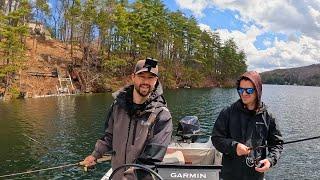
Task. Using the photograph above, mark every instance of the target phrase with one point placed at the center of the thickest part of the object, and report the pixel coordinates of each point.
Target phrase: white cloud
(280, 16)
(267, 43)
(299, 51)
(50, 5)
(283, 16)
(315, 15)
(298, 20)
(204, 27)
(196, 6)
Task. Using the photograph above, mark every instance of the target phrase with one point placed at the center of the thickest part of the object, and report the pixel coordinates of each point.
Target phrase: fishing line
(32, 139)
(42, 145)
(40, 170)
(103, 159)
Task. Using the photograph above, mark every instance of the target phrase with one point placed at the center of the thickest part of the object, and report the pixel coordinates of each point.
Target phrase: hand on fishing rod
(89, 161)
(242, 149)
(265, 166)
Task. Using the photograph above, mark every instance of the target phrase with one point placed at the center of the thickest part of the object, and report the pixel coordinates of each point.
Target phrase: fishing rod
(40, 170)
(288, 142)
(104, 158)
(100, 160)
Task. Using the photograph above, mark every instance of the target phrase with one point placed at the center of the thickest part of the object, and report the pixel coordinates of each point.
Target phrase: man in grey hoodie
(138, 125)
(242, 132)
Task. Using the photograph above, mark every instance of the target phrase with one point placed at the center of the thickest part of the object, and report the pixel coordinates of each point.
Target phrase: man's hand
(129, 174)
(88, 161)
(242, 149)
(129, 171)
(265, 166)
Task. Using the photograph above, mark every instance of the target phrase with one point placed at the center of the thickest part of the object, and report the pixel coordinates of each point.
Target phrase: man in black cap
(138, 125)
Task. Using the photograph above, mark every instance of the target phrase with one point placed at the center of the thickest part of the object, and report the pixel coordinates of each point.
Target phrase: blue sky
(274, 34)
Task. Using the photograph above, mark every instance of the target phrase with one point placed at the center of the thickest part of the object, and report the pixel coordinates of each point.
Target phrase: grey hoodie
(129, 136)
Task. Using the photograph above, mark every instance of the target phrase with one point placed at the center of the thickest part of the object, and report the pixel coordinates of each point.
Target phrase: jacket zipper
(134, 132)
(125, 154)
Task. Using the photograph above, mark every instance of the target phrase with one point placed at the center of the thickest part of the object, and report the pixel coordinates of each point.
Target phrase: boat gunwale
(187, 166)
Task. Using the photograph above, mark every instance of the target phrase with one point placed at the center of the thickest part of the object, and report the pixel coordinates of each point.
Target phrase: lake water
(64, 129)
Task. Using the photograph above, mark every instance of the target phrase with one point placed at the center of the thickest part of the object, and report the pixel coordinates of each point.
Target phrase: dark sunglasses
(248, 90)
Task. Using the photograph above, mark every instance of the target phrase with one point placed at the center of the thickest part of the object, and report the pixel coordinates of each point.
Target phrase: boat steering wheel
(139, 166)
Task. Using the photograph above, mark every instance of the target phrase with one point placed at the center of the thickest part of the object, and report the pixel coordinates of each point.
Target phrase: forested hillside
(109, 36)
(306, 76)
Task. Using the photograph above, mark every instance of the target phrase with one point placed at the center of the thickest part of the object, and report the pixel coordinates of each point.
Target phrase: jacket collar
(239, 104)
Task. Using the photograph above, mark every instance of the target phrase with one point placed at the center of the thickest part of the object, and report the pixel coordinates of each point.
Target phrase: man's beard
(143, 93)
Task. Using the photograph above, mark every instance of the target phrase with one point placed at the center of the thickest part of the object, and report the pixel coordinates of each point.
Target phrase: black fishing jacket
(237, 124)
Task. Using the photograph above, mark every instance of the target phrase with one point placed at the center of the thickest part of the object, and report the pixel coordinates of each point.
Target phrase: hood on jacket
(255, 78)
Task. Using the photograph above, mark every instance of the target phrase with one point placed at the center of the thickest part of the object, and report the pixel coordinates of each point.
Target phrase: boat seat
(175, 157)
(199, 156)
(195, 153)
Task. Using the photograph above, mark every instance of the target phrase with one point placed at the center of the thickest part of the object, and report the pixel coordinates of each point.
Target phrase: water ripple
(67, 128)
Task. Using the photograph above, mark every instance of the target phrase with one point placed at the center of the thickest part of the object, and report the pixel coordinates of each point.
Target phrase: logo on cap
(147, 65)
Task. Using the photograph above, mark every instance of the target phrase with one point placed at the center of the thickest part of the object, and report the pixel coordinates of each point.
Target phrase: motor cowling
(188, 126)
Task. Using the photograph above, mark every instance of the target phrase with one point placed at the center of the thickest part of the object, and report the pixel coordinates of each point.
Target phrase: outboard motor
(188, 128)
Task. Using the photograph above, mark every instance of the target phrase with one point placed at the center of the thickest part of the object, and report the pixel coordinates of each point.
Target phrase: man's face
(144, 83)
(248, 99)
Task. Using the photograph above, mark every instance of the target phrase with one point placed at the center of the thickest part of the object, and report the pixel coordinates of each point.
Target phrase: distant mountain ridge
(306, 76)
